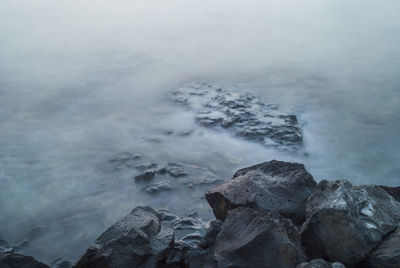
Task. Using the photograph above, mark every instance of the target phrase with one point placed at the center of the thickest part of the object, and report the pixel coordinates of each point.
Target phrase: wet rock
(158, 187)
(387, 254)
(146, 175)
(62, 263)
(175, 257)
(14, 260)
(344, 222)
(243, 114)
(137, 240)
(393, 191)
(276, 186)
(120, 161)
(177, 172)
(202, 254)
(320, 263)
(250, 238)
(146, 166)
(21, 245)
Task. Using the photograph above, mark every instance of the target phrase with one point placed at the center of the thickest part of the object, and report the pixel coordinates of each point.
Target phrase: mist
(81, 81)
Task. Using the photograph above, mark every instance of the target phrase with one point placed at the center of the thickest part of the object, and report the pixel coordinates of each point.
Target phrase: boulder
(14, 260)
(250, 238)
(276, 186)
(344, 222)
(320, 263)
(387, 254)
(137, 240)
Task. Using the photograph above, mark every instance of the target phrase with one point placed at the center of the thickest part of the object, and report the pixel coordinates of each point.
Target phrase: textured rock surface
(393, 191)
(14, 260)
(346, 222)
(320, 263)
(242, 113)
(202, 255)
(250, 238)
(137, 240)
(277, 186)
(387, 254)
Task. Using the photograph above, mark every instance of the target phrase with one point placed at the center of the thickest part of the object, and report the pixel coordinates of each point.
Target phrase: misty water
(83, 81)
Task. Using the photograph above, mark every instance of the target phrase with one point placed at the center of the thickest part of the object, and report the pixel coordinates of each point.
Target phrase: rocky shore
(272, 214)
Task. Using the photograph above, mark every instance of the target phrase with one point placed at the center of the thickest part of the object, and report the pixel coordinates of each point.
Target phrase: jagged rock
(137, 240)
(14, 260)
(393, 191)
(202, 254)
(344, 222)
(157, 187)
(387, 254)
(250, 238)
(242, 113)
(276, 186)
(62, 263)
(320, 263)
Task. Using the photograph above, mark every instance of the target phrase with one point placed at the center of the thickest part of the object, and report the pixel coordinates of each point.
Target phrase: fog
(81, 81)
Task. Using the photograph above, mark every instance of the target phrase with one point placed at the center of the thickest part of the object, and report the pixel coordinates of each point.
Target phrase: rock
(137, 240)
(146, 175)
(243, 114)
(157, 187)
(250, 238)
(21, 245)
(14, 260)
(393, 191)
(62, 263)
(202, 255)
(276, 186)
(387, 254)
(320, 263)
(120, 161)
(344, 222)
(177, 172)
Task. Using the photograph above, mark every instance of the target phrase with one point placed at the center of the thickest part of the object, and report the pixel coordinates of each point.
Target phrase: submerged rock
(242, 113)
(14, 260)
(320, 263)
(157, 187)
(276, 186)
(387, 254)
(346, 222)
(250, 238)
(137, 240)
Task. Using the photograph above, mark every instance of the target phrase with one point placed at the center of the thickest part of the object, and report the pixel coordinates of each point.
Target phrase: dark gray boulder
(14, 260)
(320, 263)
(137, 240)
(250, 238)
(387, 254)
(344, 222)
(276, 186)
